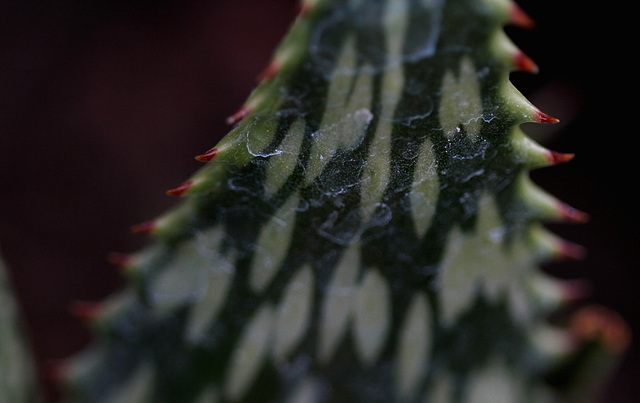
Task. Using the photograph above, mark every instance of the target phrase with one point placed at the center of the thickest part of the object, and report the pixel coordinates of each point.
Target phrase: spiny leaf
(366, 232)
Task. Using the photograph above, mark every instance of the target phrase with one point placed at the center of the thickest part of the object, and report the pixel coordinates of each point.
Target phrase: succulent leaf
(367, 231)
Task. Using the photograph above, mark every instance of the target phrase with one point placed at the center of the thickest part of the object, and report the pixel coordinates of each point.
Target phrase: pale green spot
(139, 387)
(206, 308)
(483, 261)
(413, 347)
(250, 353)
(346, 133)
(375, 177)
(338, 302)
(195, 266)
(343, 73)
(494, 383)
(458, 279)
(395, 25)
(204, 312)
(392, 88)
(347, 114)
(273, 244)
(307, 391)
(461, 101)
(209, 395)
(426, 188)
(371, 316)
(552, 341)
(284, 160)
(294, 312)
(545, 291)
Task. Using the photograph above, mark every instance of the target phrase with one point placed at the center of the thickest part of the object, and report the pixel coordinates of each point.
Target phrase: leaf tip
(542, 117)
(519, 18)
(209, 155)
(556, 158)
(239, 115)
(144, 228)
(525, 63)
(570, 251)
(305, 7)
(576, 290)
(269, 72)
(569, 214)
(180, 190)
(597, 323)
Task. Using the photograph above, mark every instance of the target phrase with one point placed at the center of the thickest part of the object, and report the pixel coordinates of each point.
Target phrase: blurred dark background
(104, 104)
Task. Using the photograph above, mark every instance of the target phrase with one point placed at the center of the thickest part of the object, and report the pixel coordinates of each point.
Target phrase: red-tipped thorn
(120, 260)
(556, 158)
(525, 64)
(570, 215)
(85, 311)
(570, 251)
(304, 8)
(519, 18)
(144, 228)
(180, 190)
(542, 117)
(597, 323)
(208, 156)
(576, 290)
(269, 72)
(239, 115)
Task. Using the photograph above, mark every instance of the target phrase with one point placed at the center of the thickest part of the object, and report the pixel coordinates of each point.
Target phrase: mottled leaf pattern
(366, 232)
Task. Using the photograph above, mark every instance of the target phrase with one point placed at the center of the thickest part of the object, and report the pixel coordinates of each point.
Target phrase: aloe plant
(367, 231)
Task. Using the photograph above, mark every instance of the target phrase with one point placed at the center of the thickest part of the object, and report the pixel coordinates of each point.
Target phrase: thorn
(85, 311)
(570, 251)
(239, 115)
(570, 215)
(304, 8)
(269, 72)
(519, 18)
(180, 190)
(144, 228)
(556, 158)
(576, 290)
(208, 156)
(120, 260)
(542, 117)
(525, 64)
(597, 323)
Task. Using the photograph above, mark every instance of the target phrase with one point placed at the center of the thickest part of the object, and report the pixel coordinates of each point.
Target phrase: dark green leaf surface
(366, 232)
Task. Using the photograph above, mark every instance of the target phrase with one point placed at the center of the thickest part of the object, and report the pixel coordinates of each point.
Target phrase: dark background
(104, 104)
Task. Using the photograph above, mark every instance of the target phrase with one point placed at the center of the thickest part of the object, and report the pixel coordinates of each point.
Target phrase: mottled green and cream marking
(365, 217)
